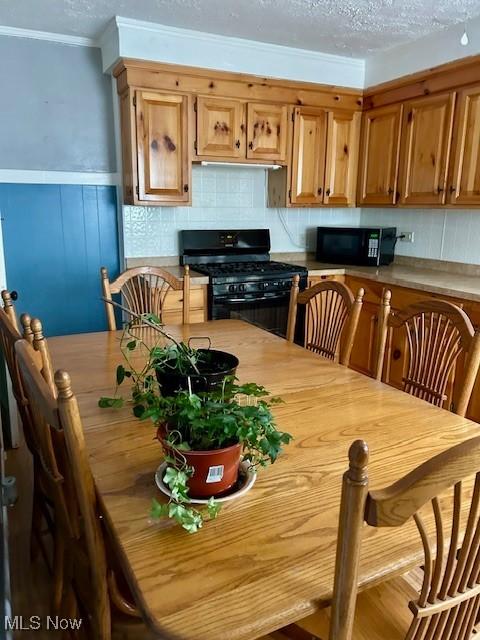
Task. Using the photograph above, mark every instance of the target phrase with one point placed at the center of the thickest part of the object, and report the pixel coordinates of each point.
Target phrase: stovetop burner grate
(245, 268)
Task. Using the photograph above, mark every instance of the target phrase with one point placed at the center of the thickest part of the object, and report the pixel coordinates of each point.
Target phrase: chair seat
(381, 612)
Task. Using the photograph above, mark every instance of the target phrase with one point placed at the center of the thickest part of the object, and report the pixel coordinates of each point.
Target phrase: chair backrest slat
(331, 318)
(437, 334)
(144, 290)
(448, 600)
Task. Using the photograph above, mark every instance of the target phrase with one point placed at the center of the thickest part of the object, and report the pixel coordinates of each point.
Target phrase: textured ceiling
(346, 27)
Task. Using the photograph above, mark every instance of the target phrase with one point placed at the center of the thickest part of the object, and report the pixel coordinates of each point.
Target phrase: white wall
(226, 198)
(440, 234)
(438, 48)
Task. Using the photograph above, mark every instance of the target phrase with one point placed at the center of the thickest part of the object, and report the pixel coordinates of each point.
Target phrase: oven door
(267, 312)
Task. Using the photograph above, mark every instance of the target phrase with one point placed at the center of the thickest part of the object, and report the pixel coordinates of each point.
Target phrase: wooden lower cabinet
(173, 306)
(312, 280)
(395, 363)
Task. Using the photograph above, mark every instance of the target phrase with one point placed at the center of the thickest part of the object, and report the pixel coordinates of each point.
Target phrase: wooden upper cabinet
(342, 157)
(163, 149)
(379, 152)
(425, 146)
(465, 173)
(267, 132)
(221, 130)
(308, 161)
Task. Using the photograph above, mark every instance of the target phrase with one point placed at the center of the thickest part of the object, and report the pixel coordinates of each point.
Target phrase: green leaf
(213, 508)
(158, 510)
(120, 374)
(138, 410)
(131, 345)
(115, 403)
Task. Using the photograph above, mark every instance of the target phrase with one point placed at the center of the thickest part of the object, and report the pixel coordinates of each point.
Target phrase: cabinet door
(220, 128)
(164, 165)
(426, 135)
(267, 131)
(379, 151)
(465, 181)
(308, 163)
(342, 157)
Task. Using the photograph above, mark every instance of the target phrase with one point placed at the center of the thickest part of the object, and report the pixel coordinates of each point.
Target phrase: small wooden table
(268, 559)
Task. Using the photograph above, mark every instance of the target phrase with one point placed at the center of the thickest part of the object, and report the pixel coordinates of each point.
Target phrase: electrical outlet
(406, 236)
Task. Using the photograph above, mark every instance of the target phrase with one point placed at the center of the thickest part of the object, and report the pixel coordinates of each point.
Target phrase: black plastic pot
(213, 367)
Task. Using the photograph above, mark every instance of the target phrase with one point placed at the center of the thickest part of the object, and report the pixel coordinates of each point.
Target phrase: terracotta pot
(215, 472)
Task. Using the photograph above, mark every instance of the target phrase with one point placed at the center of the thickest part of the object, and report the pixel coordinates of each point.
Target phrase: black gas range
(244, 282)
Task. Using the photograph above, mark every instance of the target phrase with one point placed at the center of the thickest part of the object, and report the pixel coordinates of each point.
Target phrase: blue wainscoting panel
(56, 238)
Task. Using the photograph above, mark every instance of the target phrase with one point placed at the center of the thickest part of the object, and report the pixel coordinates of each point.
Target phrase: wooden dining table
(268, 559)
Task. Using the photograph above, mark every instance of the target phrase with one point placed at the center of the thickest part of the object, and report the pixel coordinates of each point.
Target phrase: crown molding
(16, 32)
(204, 37)
(136, 39)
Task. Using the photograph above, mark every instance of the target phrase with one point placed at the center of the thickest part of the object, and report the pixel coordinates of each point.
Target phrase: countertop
(422, 278)
(196, 279)
(446, 278)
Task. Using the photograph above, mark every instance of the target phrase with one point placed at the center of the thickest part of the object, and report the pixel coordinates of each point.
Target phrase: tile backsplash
(225, 197)
(229, 198)
(440, 234)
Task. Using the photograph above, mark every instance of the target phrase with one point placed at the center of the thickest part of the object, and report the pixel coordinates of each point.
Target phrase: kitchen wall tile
(440, 234)
(226, 197)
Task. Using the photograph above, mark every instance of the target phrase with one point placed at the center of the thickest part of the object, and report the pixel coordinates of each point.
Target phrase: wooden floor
(30, 579)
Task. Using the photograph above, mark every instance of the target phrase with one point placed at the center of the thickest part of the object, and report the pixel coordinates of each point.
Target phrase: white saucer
(246, 480)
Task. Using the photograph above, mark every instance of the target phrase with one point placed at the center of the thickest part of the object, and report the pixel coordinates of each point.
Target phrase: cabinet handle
(319, 191)
(327, 192)
(452, 189)
(439, 189)
(185, 188)
(237, 144)
(390, 191)
(396, 354)
(397, 195)
(250, 145)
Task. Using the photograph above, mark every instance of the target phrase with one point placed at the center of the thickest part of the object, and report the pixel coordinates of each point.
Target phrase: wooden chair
(144, 290)
(9, 335)
(331, 318)
(86, 584)
(445, 605)
(41, 507)
(437, 333)
(9, 308)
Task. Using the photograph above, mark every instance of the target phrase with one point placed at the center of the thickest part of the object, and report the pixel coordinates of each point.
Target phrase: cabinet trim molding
(171, 78)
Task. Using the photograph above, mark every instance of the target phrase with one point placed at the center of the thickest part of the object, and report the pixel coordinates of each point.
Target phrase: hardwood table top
(268, 559)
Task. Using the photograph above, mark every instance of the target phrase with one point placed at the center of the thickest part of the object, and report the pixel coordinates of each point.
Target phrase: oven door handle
(248, 300)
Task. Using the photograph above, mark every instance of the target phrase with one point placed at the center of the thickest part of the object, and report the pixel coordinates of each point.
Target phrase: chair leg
(58, 574)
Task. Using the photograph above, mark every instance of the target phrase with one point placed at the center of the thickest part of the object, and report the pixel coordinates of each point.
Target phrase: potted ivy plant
(204, 435)
(177, 365)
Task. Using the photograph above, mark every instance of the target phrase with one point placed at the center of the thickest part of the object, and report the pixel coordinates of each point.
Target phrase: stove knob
(232, 288)
(241, 287)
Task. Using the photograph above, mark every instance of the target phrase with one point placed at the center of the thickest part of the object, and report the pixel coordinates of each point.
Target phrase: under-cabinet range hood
(240, 165)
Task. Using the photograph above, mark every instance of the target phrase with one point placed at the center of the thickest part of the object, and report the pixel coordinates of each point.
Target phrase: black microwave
(363, 246)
